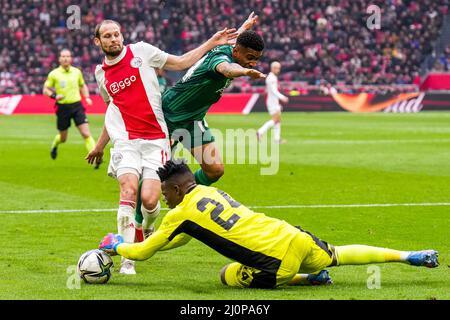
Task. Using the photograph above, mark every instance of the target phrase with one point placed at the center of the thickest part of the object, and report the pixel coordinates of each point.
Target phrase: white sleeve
(99, 75)
(155, 57)
(272, 88)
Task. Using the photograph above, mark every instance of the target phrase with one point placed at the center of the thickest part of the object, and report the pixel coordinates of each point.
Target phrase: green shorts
(191, 134)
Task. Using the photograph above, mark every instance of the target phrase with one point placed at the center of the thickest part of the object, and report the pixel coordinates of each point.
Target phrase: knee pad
(236, 275)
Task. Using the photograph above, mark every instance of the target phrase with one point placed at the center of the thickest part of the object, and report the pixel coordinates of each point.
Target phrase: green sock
(56, 141)
(138, 217)
(202, 178)
(89, 143)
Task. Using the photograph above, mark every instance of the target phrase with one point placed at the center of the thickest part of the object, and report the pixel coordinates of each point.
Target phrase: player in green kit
(187, 102)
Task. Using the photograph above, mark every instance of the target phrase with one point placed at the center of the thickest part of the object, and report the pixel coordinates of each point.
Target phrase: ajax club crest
(136, 62)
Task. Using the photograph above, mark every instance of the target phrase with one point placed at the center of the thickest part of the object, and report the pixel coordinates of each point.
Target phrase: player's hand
(285, 99)
(110, 242)
(59, 97)
(255, 74)
(88, 101)
(250, 22)
(225, 36)
(96, 155)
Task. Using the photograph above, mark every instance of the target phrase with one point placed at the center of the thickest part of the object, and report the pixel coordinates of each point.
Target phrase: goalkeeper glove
(110, 242)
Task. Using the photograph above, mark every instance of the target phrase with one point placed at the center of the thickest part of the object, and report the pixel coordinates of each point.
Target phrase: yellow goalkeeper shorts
(306, 254)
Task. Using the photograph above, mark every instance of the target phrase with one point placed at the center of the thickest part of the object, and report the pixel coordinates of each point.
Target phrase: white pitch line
(298, 141)
(58, 211)
(314, 206)
(293, 206)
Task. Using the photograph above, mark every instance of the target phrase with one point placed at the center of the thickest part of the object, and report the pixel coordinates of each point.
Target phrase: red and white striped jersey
(128, 84)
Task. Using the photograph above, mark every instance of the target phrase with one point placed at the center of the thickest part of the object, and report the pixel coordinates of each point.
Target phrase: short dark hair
(173, 168)
(250, 39)
(98, 26)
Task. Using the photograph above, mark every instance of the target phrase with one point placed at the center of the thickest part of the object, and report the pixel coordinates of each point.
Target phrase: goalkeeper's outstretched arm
(143, 250)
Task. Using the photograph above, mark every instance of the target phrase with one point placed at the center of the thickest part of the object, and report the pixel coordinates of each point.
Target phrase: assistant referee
(64, 84)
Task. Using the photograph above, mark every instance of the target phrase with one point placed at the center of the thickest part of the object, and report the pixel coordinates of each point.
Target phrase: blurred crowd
(442, 63)
(316, 41)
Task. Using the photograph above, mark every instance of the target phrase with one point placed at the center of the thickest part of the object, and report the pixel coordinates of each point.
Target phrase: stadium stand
(316, 41)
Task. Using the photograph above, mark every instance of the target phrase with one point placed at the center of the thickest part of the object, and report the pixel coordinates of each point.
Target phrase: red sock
(139, 235)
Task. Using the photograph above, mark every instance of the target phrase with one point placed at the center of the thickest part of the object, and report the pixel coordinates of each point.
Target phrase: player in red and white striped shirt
(134, 119)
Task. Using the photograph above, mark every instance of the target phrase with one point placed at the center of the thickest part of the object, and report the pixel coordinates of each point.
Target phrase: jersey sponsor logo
(62, 84)
(136, 62)
(117, 86)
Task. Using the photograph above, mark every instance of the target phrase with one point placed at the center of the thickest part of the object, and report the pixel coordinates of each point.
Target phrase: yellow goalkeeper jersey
(214, 218)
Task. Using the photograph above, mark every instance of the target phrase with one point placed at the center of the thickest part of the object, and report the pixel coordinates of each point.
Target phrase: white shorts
(275, 108)
(139, 157)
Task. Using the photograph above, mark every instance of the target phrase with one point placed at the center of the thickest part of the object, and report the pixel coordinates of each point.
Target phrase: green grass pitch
(330, 159)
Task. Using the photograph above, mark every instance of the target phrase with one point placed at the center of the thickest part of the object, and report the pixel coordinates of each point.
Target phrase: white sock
(266, 126)
(125, 223)
(150, 216)
(404, 255)
(277, 131)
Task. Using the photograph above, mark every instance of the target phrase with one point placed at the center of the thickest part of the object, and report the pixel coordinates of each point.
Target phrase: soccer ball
(95, 266)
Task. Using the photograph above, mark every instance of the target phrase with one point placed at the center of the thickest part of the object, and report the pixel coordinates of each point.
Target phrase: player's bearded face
(112, 48)
(111, 40)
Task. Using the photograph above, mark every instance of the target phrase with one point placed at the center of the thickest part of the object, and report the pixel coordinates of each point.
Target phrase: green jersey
(202, 86)
(162, 82)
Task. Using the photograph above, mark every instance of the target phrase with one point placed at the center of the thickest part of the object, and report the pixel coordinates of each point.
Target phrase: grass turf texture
(330, 158)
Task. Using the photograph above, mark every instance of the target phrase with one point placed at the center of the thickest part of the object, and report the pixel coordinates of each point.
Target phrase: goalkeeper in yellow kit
(268, 252)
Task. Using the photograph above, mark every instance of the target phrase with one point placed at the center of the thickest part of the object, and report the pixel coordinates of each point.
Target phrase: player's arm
(273, 89)
(188, 59)
(178, 241)
(113, 244)
(234, 70)
(96, 154)
(85, 92)
(143, 250)
(247, 25)
(156, 242)
(47, 90)
(160, 240)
